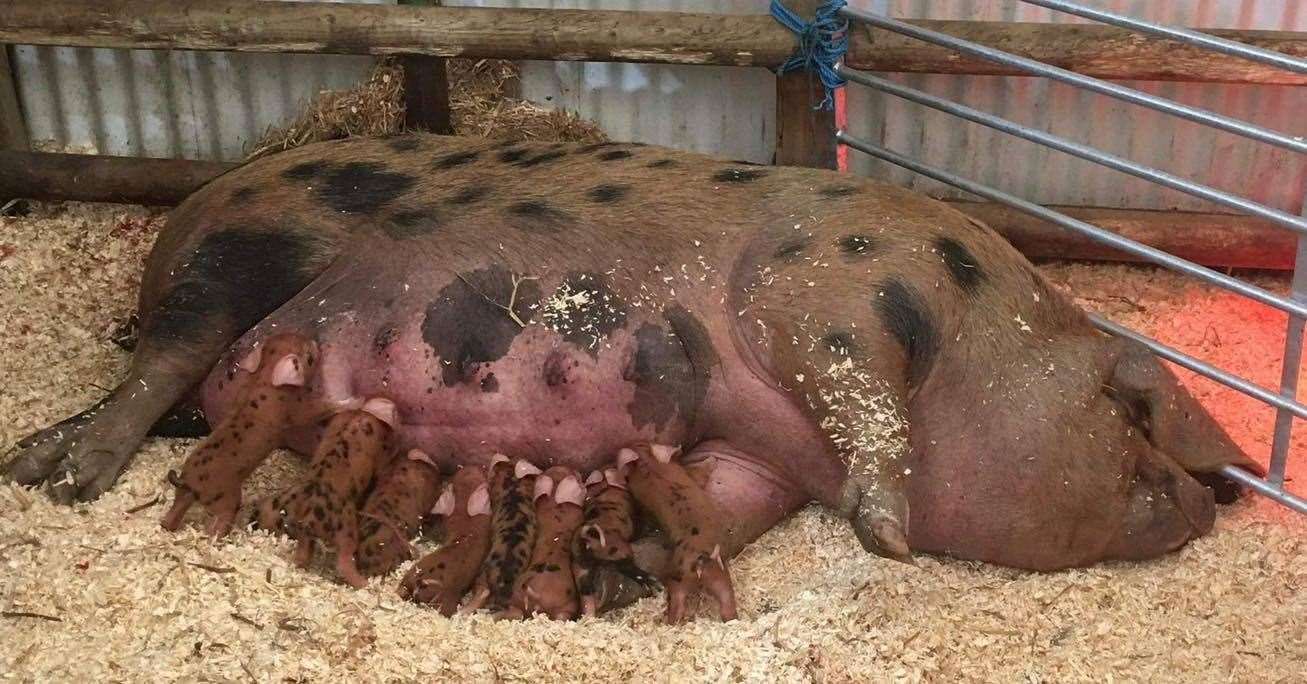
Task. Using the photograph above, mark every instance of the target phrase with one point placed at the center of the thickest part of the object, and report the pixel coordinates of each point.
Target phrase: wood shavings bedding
(100, 592)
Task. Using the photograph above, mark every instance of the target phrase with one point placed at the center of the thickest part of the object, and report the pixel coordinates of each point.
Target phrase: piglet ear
(289, 371)
(626, 457)
(445, 504)
(663, 452)
(544, 485)
(479, 502)
(595, 477)
(570, 491)
(614, 478)
(250, 362)
(420, 455)
(523, 468)
(383, 409)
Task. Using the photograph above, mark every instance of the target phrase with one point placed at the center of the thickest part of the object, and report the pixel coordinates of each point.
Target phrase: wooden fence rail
(661, 37)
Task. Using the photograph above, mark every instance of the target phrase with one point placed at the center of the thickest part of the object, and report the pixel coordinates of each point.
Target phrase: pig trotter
(442, 577)
(215, 471)
(879, 516)
(692, 523)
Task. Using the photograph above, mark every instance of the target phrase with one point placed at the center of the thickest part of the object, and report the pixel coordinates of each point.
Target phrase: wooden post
(804, 136)
(13, 130)
(426, 88)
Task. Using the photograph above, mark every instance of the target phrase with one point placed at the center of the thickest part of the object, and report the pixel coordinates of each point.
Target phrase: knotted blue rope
(822, 44)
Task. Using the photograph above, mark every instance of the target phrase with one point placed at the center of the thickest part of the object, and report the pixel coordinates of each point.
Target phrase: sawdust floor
(122, 600)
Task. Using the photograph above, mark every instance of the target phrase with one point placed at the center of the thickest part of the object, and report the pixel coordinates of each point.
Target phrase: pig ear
(420, 455)
(250, 362)
(383, 409)
(479, 502)
(289, 371)
(1172, 420)
(445, 504)
(570, 491)
(544, 485)
(524, 468)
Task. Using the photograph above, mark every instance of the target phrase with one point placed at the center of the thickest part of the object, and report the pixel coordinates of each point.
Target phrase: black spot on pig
(961, 264)
(304, 170)
(403, 144)
(738, 175)
(608, 193)
(661, 163)
(362, 187)
(542, 158)
(468, 195)
(670, 370)
(233, 279)
(614, 155)
(836, 191)
(538, 216)
(449, 161)
(411, 223)
(555, 369)
(384, 338)
(490, 383)
(594, 147)
(468, 323)
(790, 249)
(856, 245)
(512, 154)
(244, 194)
(584, 310)
(904, 315)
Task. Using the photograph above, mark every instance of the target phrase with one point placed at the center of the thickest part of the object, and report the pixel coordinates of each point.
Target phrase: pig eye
(1136, 410)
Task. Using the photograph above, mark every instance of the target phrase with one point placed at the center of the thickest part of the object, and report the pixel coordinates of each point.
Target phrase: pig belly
(547, 399)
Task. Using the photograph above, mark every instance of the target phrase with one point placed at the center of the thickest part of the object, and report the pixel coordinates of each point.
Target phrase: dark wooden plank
(660, 37)
(426, 88)
(804, 136)
(92, 178)
(13, 129)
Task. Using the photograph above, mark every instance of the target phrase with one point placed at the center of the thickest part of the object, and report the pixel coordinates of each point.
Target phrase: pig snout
(1167, 507)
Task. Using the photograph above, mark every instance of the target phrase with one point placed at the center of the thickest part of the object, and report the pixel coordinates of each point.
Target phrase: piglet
(272, 387)
(601, 548)
(513, 530)
(547, 585)
(355, 445)
(442, 577)
(394, 511)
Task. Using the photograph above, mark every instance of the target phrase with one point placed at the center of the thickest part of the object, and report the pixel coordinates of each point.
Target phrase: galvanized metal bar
(1283, 218)
(1267, 490)
(1202, 368)
(1089, 230)
(1289, 369)
(1219, 121)
(1183, 35)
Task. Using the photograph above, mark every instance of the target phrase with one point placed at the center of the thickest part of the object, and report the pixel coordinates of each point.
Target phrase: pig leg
(513, 522)
(204, 286)
(547, 585)
(443, 576)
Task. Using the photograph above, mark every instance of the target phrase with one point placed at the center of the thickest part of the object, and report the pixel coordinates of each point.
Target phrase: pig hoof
(78, 464)
(877, 517)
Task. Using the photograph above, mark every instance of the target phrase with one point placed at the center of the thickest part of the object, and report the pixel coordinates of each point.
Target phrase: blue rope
(822, 44)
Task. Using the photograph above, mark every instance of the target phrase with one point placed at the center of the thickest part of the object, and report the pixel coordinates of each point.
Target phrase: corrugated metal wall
(152, 103)
(209, 105)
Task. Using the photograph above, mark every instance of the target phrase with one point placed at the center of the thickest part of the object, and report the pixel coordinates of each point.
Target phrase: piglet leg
(394, 511)
(547, 586)
(214, 473)
(442, 577)
(692, 523)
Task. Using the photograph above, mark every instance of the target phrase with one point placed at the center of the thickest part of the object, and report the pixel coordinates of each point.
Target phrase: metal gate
(1285, 401)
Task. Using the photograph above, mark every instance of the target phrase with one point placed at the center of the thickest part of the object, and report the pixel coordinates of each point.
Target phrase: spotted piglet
(513, 532)
(355, 446)
(272, 393)
(403, 496)
(443, 576)
(601, 549)
(546, 585)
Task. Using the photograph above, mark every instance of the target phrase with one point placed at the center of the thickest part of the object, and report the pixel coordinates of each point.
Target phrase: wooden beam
(614, 36)
(1221, 240)
(804, 136)
(426, 88)
(13, 129)
(92, 178)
